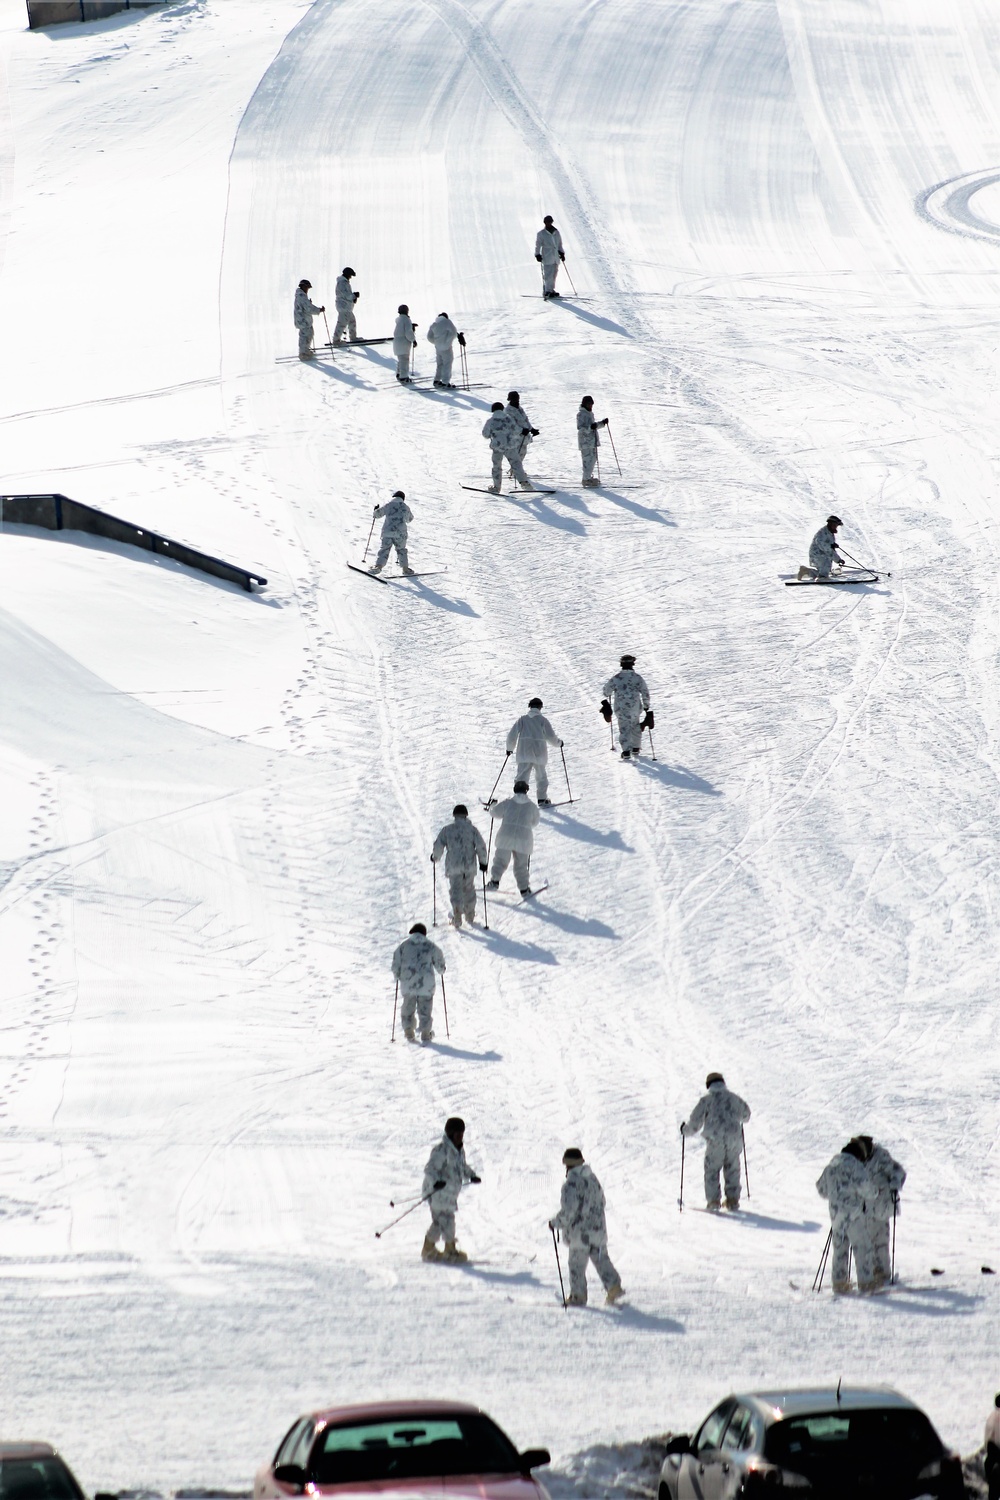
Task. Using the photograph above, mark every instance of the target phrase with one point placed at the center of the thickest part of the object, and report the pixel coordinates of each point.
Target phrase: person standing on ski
(445, 1174)
(303, 314)
(504, 439)
(720, 1116)
(404, 341)
(464, 849)
(520, 422)
(630, 696)
(344, 300)
(583, 1228)
(530, 737)
(823, 551)
(442, 334)
(887, 1176)
(589, 442)
(395, 518)
(845, 1184)
(518, 817)
(414, 964)
(549, 253)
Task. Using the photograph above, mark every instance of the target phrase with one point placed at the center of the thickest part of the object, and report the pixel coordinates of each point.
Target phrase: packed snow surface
(218, 807)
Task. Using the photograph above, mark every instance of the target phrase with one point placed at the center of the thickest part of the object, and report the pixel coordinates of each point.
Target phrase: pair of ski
(393, 577)
(867, 576)
(507, 901)
(507, 494)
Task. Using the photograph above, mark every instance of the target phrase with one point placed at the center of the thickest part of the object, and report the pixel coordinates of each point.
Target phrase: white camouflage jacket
(502, 433)
(464, 845)
(888, 1177)
(394, 515)
(548, 244)
(304, 309)
(586, 429)
(531, 737)
(719, 1115)
(402, 334)
(446, 1163)
(847, 1187)
(581, 1217)
(518, 816)
(343, 297)
(627, 691)
(442, 332)
(413, 964)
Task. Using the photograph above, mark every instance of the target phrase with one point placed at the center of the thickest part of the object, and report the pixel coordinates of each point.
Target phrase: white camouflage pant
(588, 457)
(722, 1156)
(402, 353)
(629, 733)
(523, 773)
(463, 894)
(501, 859)
(881, 1255)
(854, 1235)
(305, 340)
(442, 367)
(415, 1006)
(517, 467)
(345, 324)
(388, 542)
(550, 269)
(578, 1253)
(442, 1225)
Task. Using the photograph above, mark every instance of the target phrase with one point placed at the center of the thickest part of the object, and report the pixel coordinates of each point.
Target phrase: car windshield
(854, 1451)
(412, 1448)
(37, 1479)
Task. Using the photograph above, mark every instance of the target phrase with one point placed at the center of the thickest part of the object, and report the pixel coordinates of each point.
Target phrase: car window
(287, 1445)
(711, 1429)
(829, 1442)
(740, 1432)
(303, 1442)
(412, 1448)
(37, 1479)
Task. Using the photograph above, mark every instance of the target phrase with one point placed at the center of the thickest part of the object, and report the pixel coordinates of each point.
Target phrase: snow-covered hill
(218, 807)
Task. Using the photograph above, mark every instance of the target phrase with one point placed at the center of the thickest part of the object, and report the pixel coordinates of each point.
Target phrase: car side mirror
(680, 1444)
(534, 1458)
(291, 1474)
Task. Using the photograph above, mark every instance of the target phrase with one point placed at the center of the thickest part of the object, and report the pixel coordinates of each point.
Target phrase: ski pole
(867, 566)
(569, 278)
(465, 367)
(817, 1285)
(555, 1246)
(611, 726)
(892, 1264)
(680, 1201)
(614, 449)
(652, 751)
(369, 541)
(380, 1232)
(327, 327)
(569, 791)
(435, 918)
(395, 1002)
(444, 997)
(398, 1202)
(486, 914)
(597, 455)
(746, 1170)
(499, 774)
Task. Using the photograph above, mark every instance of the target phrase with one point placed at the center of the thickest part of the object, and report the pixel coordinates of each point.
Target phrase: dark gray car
(34, 1471)
(866, 1443)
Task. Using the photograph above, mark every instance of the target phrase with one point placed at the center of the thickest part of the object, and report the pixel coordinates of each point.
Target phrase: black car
(34, 1471)
(859, 1444)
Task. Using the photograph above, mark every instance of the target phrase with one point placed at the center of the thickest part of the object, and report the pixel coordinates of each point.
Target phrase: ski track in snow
(221, 806)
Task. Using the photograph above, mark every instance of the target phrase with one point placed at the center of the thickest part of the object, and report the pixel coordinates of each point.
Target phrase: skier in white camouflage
(549, 254)
(530, 737)
(505, 440)
(464, 849)
(442, 334)
(404, 341)
(720, 1116)
(583, 1229)
(823, 551)
(344, 299)
(414, 964)
(445, 1174)
(303, 314)
(887, 1176)
(521, 423)
(588, 441)
(630, 696)
(518, 817)
(850, 1193)
(395, 518)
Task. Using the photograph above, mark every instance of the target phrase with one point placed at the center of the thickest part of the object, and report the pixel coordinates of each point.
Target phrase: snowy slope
(220, 806)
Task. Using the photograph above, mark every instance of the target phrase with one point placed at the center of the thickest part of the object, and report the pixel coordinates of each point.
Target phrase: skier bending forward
(445, 1174)
(630, 696)
(584, 1231)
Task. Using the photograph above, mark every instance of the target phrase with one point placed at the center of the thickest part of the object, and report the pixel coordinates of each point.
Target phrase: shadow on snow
(678, 776)
(509, 947)
(572, 828)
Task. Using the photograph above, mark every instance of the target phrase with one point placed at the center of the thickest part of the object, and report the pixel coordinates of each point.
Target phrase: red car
(401, 1447)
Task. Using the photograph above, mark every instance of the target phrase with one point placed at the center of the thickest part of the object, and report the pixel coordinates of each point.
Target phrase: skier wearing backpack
(530, 737)
(445, 1174)
(848, 1189)
(887, 1176)
(395, 518)
(505, 440)
(464, 849)
(630, 696)
(517, 816)
(720, 1116)
(414, 964)
(583, 1229)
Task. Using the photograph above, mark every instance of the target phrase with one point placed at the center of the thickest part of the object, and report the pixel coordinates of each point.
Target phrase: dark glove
(461, 339)
(475, 1179)
(539, 259)
(376, 510)
(533, 431)
(561, 255)
(356, 296)
(483, 869)
(606, 709)
(648, 721)
(682, 1127)
(439, 1185)
(551, 1224)
(561, 743)
(322, 309)
(605, 422)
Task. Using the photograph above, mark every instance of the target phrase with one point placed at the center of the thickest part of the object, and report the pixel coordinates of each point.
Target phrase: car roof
(27, 1450)
(775, 1406)
(376, 1411)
